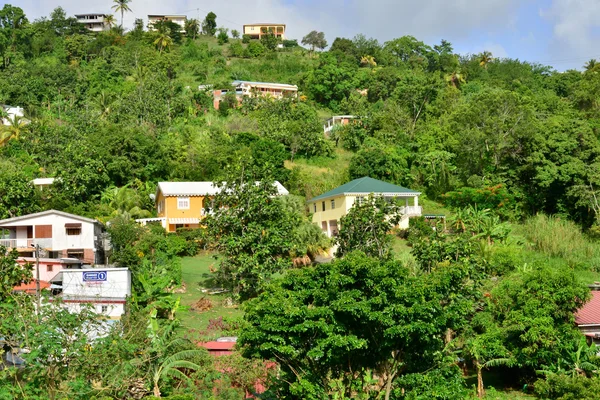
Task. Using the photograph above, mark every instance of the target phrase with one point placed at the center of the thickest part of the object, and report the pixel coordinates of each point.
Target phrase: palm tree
(110, 20)
(192, 27)
(13, 130)
(591, 65)
(368, 61)
(456, 78)
(122, 6)
(104, 102)
(485, 58)
(163, 40)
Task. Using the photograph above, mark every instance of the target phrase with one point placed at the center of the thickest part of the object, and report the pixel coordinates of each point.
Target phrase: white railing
(26, 243)
(412, 211)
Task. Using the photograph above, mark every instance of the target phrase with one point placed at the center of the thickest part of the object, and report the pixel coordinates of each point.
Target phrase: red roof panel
(211, 346)
(589, 314)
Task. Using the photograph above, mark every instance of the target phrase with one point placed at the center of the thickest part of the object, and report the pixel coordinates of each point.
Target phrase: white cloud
(575, 25)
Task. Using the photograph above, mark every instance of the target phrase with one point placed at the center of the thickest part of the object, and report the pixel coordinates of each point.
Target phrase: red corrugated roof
(217, 345)
(31, 286)
(589, 314)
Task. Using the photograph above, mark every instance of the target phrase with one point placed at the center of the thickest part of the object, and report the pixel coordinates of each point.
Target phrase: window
(75, 253)
(183, 203)
(49, 268)
(73, 229)
(332, 204)
(104, 309)
(359, 200)
(315, 206)
(161, 206)
(323, 206)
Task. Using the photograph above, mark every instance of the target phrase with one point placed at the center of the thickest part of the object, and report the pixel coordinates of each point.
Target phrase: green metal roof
(366, 185)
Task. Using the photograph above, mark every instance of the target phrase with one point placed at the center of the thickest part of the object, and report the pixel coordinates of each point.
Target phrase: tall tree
(485, 58)
(121, 6)
(192, 27)
(331, 326)
(209, 25)
(251, 228)
(110, 20)
(315, 40)
(366, 228)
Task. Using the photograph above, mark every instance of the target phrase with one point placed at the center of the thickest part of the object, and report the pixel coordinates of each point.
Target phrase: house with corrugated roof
(328, 208)
(243, 89)
(587, 318)
(55, 234)
(186, 204)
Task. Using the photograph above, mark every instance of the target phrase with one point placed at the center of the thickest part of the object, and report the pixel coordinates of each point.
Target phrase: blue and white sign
(94, 276)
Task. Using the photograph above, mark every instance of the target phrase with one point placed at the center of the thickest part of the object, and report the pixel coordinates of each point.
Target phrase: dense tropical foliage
(509, 150)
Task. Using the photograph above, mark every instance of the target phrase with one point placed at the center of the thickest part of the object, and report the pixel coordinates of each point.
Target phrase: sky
(561, 33)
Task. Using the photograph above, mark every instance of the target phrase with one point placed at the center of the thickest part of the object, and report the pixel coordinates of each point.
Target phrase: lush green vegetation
(482, 302)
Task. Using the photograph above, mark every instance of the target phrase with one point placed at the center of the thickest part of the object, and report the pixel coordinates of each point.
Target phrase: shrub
(255, 49)
(565, 387)
(236, 49)
(496, 198)
(246, 39)
(290, 43)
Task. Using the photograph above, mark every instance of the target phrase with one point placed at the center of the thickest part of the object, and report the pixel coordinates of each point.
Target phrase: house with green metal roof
(328, 208)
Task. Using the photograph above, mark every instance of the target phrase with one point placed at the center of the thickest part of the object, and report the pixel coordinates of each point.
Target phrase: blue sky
(561, 33)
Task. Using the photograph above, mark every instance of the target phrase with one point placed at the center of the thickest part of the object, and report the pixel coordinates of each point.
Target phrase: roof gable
(366, 185)
(44, 213)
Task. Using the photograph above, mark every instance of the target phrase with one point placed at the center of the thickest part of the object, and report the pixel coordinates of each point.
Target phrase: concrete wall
(101, 283)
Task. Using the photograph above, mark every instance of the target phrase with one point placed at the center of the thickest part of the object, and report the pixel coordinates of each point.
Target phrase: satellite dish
(152, 196)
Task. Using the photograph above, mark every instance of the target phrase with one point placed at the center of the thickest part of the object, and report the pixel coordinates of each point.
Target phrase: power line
(204, 11)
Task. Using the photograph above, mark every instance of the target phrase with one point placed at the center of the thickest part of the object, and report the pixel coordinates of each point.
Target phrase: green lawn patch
(197, 275)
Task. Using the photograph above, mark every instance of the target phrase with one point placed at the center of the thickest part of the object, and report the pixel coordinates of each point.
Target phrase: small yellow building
(255, 31)
(330, 207)
(186, 204)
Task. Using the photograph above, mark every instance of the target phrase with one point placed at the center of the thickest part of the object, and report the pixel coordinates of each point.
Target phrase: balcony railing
(412, 211)
(26, 243)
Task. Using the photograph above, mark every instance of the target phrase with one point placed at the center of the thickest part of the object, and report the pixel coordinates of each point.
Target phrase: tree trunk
(156, 390)
(480, 388)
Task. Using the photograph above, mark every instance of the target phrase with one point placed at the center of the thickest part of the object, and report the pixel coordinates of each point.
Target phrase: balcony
(22, 244)
(412, 211)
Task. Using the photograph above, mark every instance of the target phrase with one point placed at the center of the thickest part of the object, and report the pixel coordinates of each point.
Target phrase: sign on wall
(94, 276)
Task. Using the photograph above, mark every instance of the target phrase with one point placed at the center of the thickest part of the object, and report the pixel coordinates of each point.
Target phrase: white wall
(60, 239)
(109, 283)
(113, 311)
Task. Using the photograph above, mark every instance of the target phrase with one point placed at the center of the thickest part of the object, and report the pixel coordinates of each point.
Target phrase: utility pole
(37, 278)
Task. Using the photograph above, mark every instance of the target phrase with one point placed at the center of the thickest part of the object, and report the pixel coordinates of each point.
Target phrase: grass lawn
(197, 276)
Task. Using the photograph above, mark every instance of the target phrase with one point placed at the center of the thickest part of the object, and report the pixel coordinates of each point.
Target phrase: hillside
(481, 294)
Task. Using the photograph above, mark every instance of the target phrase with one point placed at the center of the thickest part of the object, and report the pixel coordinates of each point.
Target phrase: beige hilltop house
(258, 89)
(255, 31)
(330, 207)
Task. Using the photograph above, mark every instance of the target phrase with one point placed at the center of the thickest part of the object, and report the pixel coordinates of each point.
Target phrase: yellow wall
(169, 209)
(342, 205)
(256, 29)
